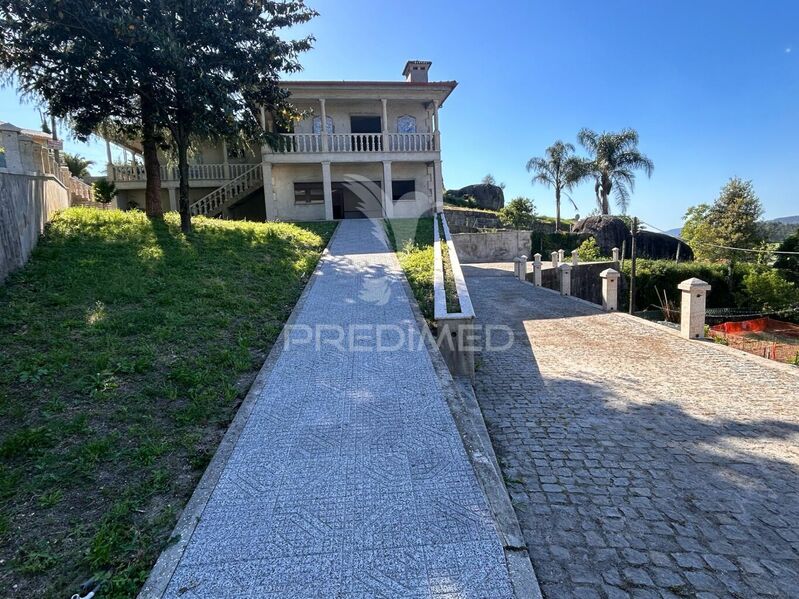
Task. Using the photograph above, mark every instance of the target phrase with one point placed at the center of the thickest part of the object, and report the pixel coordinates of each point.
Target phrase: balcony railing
(197, 172)
(358, 143)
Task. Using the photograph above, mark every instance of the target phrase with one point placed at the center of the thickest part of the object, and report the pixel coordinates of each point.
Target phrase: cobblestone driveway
(640, 464)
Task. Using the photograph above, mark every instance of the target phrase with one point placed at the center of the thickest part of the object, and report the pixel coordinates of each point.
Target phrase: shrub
(104, 191)
(769, 290)
(546, 243)
(519, 213)
(589, 251)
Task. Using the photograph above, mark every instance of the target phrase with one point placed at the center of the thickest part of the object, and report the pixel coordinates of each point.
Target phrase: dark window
(365, 124)
(309, 193)
(403, 190)
(2, 158)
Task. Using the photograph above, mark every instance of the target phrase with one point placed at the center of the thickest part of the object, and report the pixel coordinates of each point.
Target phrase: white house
(365, 149)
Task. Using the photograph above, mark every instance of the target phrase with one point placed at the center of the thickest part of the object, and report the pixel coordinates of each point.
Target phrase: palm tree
(614, 158)
(77, 165)
(560, 170)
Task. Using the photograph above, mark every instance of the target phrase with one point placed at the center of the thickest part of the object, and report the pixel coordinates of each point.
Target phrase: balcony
(353, 144)
(126, 173)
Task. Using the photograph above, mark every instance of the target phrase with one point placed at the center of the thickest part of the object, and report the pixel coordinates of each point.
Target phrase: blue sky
(711, 86)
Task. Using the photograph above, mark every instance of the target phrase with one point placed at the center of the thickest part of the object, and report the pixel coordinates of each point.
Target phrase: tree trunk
(183, 169)
(557, 210)
(152, 167)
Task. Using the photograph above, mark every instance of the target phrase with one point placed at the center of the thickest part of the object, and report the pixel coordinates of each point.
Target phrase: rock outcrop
(611, 231)
(487, 196)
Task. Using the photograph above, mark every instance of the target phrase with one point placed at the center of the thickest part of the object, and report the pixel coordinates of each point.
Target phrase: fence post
(610, 289)
(565, 279)
(554, 259)
(522, 267)
(575, 258)
(615, 254)
(516, 267)
(692, 308)
(561, 256)
(537, 270)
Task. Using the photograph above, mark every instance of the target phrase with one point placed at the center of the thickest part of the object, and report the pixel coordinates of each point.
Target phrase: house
(363, 149)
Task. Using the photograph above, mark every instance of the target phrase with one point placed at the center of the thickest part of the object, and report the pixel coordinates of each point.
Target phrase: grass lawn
(412, 240)
(125, 350)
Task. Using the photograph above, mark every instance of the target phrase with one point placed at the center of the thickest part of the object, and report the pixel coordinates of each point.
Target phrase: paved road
(349, 478)
(640, 464)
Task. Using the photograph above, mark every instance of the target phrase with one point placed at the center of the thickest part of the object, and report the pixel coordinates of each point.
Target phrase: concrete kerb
(164, 568)
(473, 432)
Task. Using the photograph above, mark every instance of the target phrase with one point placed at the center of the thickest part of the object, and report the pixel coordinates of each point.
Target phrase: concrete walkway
(349, 478)
(640, 464)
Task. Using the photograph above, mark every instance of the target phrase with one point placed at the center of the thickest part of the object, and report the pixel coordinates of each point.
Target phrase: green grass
(412, 240)
(125, 350)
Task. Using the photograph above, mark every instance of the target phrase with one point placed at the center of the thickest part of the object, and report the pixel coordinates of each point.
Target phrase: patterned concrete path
(349, 478)
(640, 464)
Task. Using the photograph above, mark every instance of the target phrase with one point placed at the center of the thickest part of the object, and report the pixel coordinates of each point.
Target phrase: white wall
(340, 111)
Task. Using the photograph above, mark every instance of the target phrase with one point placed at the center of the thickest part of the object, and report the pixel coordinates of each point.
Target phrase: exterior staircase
(214, 203)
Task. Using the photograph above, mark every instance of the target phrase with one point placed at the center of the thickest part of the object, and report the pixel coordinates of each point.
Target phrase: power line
(724, 247)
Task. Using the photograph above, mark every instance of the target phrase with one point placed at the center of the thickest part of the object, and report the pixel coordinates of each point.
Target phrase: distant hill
(676, 232)
(777, 229)
(786, 220)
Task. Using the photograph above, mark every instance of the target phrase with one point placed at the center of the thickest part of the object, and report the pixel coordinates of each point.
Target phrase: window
(317, 124)
(403, 190)
(309, 193)
(406, 124)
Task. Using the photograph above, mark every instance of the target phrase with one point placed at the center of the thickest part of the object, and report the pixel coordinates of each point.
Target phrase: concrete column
(384, 121)
(537, 270)
(225, 159)
(692, 308)
(9, 140)
(615, 254)
(173, 199)
(110, 173)
(263, 118)
(565, 279)
(269, 195)
(610, 289)
(561, 256)
(575, 258)
(554, 259)
(388, 192)
(325, 141)
(438, 186)
(327, 186)
(522, 267)
(436, 131)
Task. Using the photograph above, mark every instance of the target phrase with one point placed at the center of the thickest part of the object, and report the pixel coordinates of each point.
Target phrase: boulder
(487, 196)
(611, 231)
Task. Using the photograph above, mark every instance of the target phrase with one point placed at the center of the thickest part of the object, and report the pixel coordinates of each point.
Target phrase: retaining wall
(585, 282)
(492, 246)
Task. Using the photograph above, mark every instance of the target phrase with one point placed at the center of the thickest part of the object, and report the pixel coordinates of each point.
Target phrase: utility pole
(632, 264)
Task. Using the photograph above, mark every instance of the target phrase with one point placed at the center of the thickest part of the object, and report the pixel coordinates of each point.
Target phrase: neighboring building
(377, 155)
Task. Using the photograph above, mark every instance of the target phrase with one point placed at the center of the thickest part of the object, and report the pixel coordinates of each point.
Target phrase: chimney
(416, 71)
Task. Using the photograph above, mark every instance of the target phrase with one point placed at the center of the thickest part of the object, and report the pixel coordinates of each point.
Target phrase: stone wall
(27, 203)
(585, 282)
(473, 221)
(491, 246)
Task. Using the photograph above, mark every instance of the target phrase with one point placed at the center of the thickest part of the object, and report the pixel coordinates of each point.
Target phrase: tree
(219, 66)
(614, 159)
(519, 213)
(104, 191)
(78, 165)
(559, 170)
(90, 61)
(731, 221)
(490, 180)
(788, 264)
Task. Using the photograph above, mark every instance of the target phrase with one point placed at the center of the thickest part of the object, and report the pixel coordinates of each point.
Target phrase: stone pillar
(565, 279)
(327, 186)
(615, 254)
(522, 267)
(610, 289)
(436, 131)
(325, 141)
(575, 258)
(269, 195)
(384, 126)
(110, 171)
(173, 199)
(537, 270)
(9, 140)
(561, 256)
(388, 192)
(554, 259)
(225, 159)
(692, 308)
(26, 145)
(516, 267)
(438, 186)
